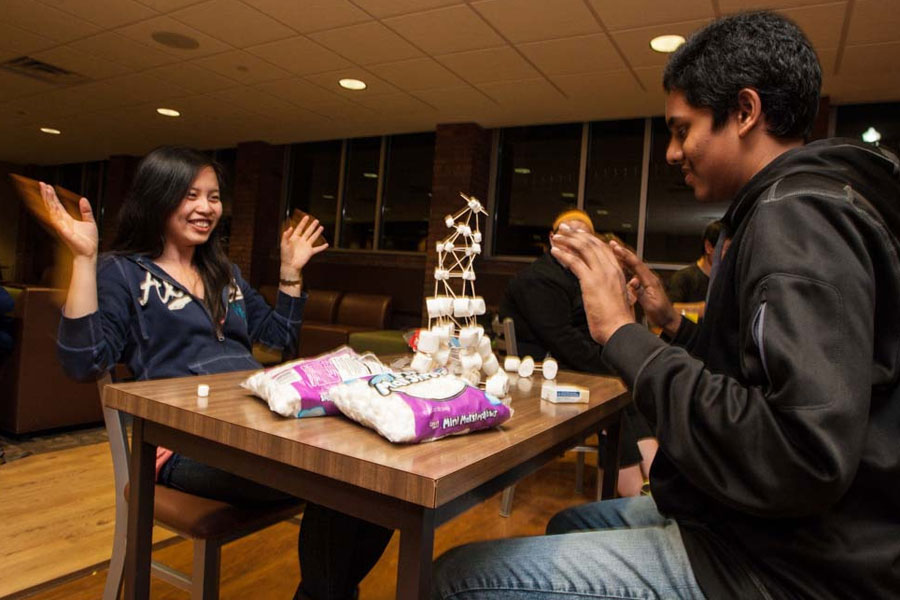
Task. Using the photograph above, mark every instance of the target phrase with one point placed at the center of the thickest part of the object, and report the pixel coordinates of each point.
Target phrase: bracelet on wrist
(290, 282)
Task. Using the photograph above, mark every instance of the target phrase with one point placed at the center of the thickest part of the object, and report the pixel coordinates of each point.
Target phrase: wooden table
(337, 463)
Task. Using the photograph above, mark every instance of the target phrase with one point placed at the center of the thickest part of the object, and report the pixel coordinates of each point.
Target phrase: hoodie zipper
(218, 328)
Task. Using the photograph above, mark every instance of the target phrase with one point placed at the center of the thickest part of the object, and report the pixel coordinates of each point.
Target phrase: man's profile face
(708, 158)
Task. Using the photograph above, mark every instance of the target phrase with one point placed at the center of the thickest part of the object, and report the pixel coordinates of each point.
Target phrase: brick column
(256, 210)
(462, 162)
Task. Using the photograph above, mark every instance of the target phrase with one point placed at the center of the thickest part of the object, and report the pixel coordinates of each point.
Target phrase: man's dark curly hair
(759, 50)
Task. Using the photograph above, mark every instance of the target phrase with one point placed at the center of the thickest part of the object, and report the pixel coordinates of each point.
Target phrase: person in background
(687, 287)
(168, 303)
(544, 302)
(778, 415)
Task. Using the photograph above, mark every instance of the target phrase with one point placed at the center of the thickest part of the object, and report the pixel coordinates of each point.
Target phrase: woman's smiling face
(199, 212)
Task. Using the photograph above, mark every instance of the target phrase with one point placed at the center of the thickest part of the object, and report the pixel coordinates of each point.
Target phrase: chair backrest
(321, 306)
(118, 442)
(365, 310)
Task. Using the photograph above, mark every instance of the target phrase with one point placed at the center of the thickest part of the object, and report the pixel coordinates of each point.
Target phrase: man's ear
(749, 111)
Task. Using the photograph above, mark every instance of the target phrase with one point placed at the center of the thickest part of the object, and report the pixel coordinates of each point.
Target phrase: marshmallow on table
(203, 390)
(549, 368)
(524, 384)
(511, 364)
(497, 384)
(526, 367)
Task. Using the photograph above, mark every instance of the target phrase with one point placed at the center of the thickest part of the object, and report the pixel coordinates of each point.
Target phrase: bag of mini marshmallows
(298, 388)
(418, 407)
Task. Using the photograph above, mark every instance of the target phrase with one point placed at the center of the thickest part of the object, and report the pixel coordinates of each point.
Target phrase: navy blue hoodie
(150, 322)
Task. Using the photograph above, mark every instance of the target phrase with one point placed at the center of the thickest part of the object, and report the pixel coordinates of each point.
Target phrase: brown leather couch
(352, 313)
(36, 393)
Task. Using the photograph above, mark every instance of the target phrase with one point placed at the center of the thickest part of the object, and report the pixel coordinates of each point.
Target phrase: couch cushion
(321, 306)
(366, 311)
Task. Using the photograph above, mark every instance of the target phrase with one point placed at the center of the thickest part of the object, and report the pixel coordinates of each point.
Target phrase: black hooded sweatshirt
(778, 417)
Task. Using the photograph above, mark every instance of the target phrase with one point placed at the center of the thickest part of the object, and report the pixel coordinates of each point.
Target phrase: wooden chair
(509, 343)
(208, 523)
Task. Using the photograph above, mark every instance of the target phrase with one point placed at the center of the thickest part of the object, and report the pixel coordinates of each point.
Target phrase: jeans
(336, 551)
(614, 549)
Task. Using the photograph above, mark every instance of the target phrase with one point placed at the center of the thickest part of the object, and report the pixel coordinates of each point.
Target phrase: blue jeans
(614, 549)
(336, 551)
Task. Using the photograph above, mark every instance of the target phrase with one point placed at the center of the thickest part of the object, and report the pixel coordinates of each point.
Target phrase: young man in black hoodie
(778, 417)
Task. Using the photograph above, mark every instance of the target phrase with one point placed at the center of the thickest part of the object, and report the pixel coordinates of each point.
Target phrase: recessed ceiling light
(352, 84)
(168, 112)
(51, 130)
(666, 43)
(568, 194)
(175, 40)
(370, 175)
(522, 171)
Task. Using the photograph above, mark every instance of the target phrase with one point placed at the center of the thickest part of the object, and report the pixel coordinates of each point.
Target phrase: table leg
(611, 463)
(416, 552)
(140, 515)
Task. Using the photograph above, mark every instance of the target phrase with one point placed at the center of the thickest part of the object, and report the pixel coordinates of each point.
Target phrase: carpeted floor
(16, 447)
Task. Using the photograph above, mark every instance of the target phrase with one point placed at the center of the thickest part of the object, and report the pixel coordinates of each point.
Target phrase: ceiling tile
(13, 85)
(168, 5)
(367, 44)
(733, 6)
(446, 30)
(416, 74)
(522, 92)
(46, 21)
(579, 54)
(120, 49)
(82, 63)
(874, 21)
(233, 22)
(142, 32)
(329, 81)
(141, 87)
(494, 64)
(312, 15)
(635, 43)
(822, 24)
(19, 41)
(876, 61)
(253, 100)
(391, 8)
(391, 104)
(617, 15)
(241, 66)
(105, 13)
(301, 92)
(460, 102)
(300, 56)
(531, 21)
(596, 86)
(193, 78)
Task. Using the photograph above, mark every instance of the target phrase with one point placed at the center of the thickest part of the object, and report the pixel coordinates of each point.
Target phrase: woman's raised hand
(297, 244)
(81, 236)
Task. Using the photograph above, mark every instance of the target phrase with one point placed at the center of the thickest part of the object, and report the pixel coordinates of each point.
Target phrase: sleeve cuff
(291, 307)
(79, 333)
(629, 349)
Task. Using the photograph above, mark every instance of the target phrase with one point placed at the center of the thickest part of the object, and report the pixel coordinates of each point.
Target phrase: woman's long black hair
(162, 181)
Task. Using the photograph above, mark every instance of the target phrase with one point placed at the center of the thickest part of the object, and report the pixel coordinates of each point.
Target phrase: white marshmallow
(477, 237)
(468, 274)
(433, 305)
(497, 384)
(550, 368)
(448, 221)
(469, 361)
(490, 365)
(524, 384)
(469, 336)
(441, 274)
(474, 204)
(464, 229)
(443, 332)
(474, 249)
(446, 305)
(442, 356)
(484, 347)
(429, 341)
(511, 364)
(461, 307)
(478, 306)
(526, 367)
(439, 247)
(202, 390)
(473, 377)
(421, 363)
(548, 389)
(448, 246)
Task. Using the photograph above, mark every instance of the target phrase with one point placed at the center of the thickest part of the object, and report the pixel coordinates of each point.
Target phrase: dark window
(227, 158)
(315, 174)
(537, 177)
(360, 193)
(675, 219)
(407, 192)
(612, 195)
(870, 121)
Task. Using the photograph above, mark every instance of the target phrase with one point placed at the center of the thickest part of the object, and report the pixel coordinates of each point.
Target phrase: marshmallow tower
(453, 338)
